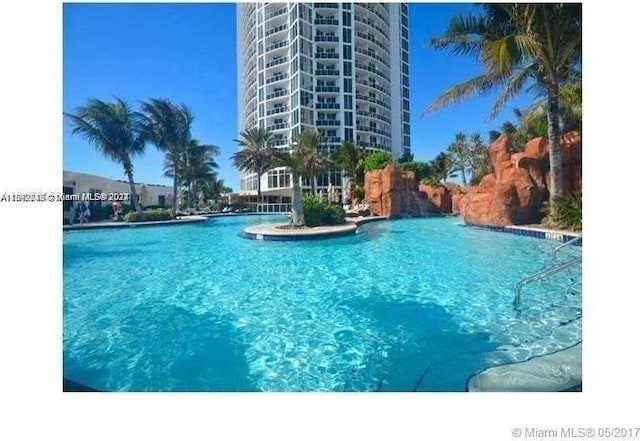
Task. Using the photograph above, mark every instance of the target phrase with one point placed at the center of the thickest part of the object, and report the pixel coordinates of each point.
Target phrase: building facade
(341, 68)
(75, 183)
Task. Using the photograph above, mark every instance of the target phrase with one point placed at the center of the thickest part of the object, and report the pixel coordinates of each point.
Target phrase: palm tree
(460, 154)
(314, 161)
(113, 129)
(168, 126)
(198, 164)
(519, 44)
(295, 161)
(350, 159)
(441, 167)
(256, 155)
(480, 165)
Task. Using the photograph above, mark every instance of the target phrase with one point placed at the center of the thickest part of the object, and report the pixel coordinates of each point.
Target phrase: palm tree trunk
(297, 208)
(188, 192)
(174, 203)
(128, 170)
(556, 185)
(259, 194)
(464, 178)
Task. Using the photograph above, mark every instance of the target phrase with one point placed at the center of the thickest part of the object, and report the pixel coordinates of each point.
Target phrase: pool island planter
(113, 225)
(275, 232)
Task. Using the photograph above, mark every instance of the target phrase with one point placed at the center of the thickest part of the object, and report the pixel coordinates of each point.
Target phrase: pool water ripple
(415, 304)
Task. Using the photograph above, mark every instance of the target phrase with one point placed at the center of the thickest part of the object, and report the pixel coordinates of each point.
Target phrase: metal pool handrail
(517, 300)
(574, 240)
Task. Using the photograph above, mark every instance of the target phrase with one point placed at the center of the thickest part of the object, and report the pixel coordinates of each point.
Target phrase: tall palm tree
(315, 161)
(460, 154)
(296, 163)
(519, 44)
(113, 129)
(256, 155)
(168, 126)
(198, 164)
(350, 158)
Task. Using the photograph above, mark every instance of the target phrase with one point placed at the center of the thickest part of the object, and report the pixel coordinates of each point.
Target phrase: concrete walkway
(112, 225)
(555, 372)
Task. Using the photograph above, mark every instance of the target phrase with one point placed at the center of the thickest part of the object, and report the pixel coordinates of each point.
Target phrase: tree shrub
(317, 212)
(377, 160)
(568, 211)
(148, 215)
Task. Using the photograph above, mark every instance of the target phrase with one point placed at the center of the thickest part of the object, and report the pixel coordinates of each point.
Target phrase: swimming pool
(411, 304)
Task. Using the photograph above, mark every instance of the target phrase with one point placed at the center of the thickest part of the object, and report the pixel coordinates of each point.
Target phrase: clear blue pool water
(412, 304)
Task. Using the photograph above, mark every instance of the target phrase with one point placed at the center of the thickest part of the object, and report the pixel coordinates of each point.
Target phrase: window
(405, 105)
(346, 6)
(405, 117)
(348, 102)
(346, 18)
(348, 134)
(347, 69)
(405, 93)
(407, 142)
(94, 192)
(348, 85)
(405, 45)
(405, 21)
(348, 118)
(346, 52)
(161, 200)
(346, 35)
(405, 68)
(405, 56)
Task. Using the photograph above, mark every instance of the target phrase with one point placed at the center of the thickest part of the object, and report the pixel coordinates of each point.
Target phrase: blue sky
(187, 53)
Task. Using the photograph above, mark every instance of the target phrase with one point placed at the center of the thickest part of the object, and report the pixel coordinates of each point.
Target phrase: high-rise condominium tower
(341, 68)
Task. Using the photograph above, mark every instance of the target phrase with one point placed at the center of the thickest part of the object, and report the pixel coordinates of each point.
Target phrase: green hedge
(149, 215)
(317, 212)
(377, 161)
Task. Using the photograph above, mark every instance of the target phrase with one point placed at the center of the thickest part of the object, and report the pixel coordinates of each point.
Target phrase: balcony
(276, 62)
(372, 85)
(372, 146)
(278, 142)
(326, 21)
(276, 45)
(373, 115)
(374, 101)
(372, 70)
(275, 30)
(369, 7)
(326, 6)
(372, 39)
(371, 24)
(278, 126)
(328, 89)
(327, 72)
(276, 94)
(331, 139)
(326, 38)
(372, 54)
(276, 13)
(276, 110)
(373, 130)
(276, 78)
(327, 106)
(325, 55)
(327, 122)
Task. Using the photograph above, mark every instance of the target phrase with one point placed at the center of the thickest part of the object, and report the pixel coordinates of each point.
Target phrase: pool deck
(555, 372)
(273, 233)
(114, 225)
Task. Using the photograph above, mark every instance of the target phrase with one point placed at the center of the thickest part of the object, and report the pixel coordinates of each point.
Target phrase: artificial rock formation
(513, 194)
(438, 198)
(390, 192)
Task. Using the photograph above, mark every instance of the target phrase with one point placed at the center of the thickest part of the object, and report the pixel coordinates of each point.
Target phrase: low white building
(83, 184)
